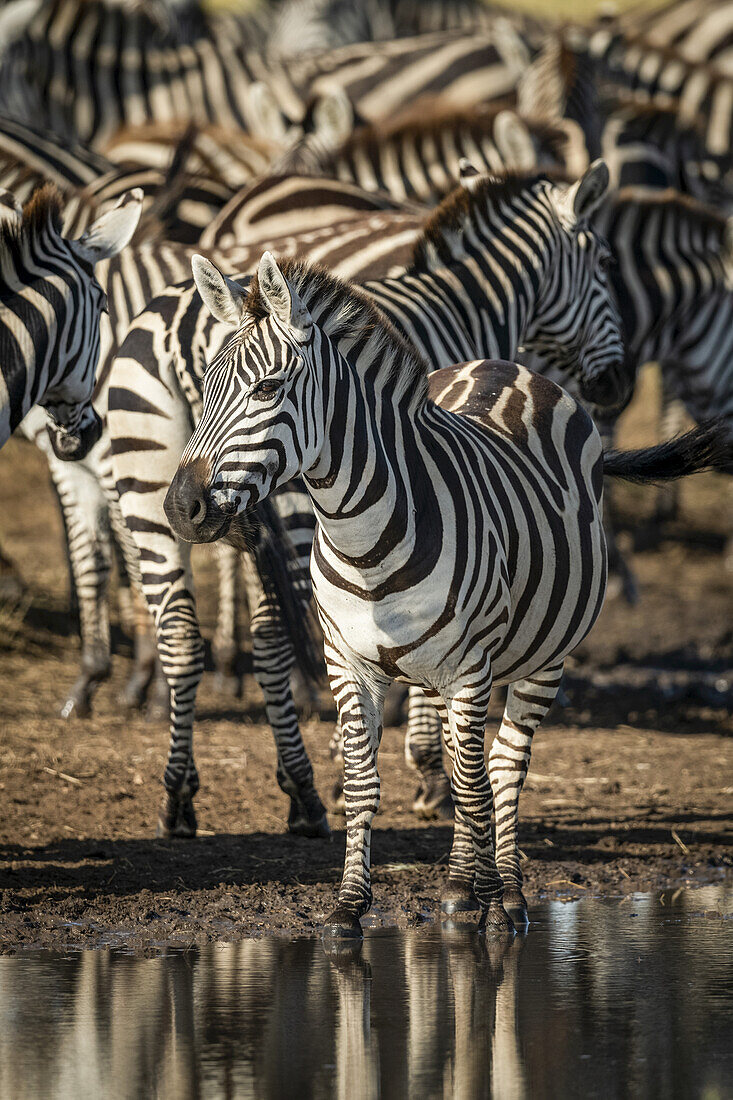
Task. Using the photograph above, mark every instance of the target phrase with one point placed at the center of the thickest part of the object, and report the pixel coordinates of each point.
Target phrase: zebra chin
(72, 446)
(189, 507)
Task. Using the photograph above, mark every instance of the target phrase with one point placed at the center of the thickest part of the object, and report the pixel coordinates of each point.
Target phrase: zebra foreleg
(272, 661)
(473, 874)
(528, 701)
(181, 652)
(423, 752)
(360, 709)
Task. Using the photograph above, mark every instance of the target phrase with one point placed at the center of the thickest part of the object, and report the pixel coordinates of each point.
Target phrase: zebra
(50, 305)
(301, 26)
(672, 279)
(459, 540)
(83, 69)
(417, 155)
(498, 264)
(86, 490)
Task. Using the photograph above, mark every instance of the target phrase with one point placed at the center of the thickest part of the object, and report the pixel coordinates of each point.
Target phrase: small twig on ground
(63, 775)
(680, 843)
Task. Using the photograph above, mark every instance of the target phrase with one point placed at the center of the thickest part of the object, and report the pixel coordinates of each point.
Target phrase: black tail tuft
(709, 446)
(275, 559)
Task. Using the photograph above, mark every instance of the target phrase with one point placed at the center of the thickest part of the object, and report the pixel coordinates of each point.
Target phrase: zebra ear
(10, 209)
(514, 142)
(266, 119)
(109, 234)
(468, 174)
(586, 195)
(224, 297)
(281, 299)
(333, 117)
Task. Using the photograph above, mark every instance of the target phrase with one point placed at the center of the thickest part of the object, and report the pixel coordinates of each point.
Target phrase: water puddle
(604, 998)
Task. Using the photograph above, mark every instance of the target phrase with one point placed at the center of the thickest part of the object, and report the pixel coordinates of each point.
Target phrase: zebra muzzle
(71, 446)
(191, 511)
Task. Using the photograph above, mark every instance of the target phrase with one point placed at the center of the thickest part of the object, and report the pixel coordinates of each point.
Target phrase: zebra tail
(709, 446)
(276, 564)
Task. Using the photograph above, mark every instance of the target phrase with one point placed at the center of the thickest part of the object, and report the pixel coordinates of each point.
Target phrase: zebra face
(253, 434)
(576, 326)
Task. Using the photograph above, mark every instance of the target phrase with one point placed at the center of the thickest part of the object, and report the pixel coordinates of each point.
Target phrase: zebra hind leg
(272, 660)
(473, 875)
(528, 701)
(423, 752)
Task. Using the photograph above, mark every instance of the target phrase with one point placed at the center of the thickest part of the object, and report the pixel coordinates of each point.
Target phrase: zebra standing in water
(498, 264)
(459, 540)
(50, 305)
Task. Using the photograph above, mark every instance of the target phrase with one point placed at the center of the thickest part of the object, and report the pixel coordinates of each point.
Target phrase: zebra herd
(500, 195)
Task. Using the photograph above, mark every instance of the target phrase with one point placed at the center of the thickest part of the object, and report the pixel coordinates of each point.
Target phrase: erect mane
(41, 212)
(464, 204)
(343, 311)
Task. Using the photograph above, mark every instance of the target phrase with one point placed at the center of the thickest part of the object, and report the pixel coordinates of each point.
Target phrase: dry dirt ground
(630, 787)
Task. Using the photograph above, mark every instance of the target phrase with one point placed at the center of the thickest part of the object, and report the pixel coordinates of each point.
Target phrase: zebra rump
(709, 446)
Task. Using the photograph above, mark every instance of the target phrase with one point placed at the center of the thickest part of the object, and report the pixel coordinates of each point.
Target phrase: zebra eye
(266, 389)
(606, 261)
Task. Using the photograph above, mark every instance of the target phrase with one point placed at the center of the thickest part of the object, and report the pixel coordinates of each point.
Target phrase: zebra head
(261, 423)
(74, 426)
(576, 325)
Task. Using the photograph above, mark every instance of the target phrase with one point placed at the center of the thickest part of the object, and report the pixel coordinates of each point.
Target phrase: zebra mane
(41, 213)
(343, 311)
(465, 205)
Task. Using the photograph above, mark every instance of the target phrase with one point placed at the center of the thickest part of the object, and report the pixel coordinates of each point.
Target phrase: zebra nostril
(197, 512)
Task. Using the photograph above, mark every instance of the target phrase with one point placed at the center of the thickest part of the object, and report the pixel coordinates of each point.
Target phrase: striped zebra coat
(496, 265)
(459, 540)
(83, 69)
(50, 307)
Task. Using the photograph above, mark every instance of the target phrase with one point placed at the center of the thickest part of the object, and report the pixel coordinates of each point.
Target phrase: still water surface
(603, 998)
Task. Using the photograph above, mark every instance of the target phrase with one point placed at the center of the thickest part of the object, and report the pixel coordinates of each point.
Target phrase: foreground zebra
(499, 264)
(459, 540)
(50, 305)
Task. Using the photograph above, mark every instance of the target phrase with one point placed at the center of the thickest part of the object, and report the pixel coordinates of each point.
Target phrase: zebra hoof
(433, 801)
(342, 924)
(76, 707)
(177, 818)
(459, 905)
(308, 817)
(301, 826)
(515, 905)
(496, 921)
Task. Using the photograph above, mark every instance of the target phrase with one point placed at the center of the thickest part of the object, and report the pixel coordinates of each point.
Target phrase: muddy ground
(631, 785)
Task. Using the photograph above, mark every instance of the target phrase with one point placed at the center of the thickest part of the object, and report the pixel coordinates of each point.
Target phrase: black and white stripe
(498, 265)
(459, 540)
(50, 307)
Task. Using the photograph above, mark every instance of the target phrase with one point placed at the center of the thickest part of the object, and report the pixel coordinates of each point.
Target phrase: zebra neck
(370, 472)
(476, 308)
